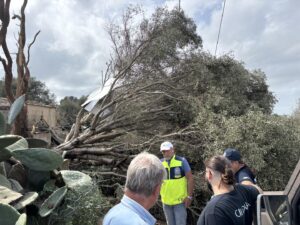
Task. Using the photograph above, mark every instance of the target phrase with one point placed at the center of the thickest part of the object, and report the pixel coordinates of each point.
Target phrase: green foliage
(296, 114)
(27, 199)
(40, 159)
(15, 109)
(173, 31)
(37, 179)
(68, 109)
(83, 201)
(37, 91)
(79, 203)
(4, 182)
(225, 86)
(181, 78)
(268, 143)
(5, 141)
(36, 143)
(9, 215)
(76, 180)
(38, 162)
(52, 201)
(22, 219)
(19, 144)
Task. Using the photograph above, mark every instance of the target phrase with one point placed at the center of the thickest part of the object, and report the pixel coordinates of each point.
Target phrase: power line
(220, 28)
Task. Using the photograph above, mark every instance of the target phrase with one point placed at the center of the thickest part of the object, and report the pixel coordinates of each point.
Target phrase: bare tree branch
(28, 50)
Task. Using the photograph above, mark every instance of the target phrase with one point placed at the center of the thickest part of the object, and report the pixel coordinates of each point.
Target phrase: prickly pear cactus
(39, 159)
(5, 141)
(82, 204)
(27, 199)
(15, 109)
(9, 215)
(53, 201)
(22, 219)
(7, 195)
(30, 180)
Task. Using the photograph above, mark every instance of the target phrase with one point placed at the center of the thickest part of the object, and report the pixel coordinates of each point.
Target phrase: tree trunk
(23, 73)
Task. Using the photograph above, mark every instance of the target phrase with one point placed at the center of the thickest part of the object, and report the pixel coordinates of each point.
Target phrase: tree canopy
(165, 87)
(162, 81)
(37, 91)
(68, 108)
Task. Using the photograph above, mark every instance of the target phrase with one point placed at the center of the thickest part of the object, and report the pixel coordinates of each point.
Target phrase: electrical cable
(220, 28)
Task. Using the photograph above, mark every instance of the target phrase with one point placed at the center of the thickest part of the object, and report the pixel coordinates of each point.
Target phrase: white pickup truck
(281, 207)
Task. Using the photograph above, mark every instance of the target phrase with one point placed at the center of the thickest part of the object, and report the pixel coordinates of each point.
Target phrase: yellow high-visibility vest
(174, 188)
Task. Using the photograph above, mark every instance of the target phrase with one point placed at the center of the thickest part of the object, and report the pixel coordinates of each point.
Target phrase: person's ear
(209, 175)
(156, 191)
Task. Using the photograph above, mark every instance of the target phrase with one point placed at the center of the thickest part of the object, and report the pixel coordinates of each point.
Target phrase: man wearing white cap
(177, 189)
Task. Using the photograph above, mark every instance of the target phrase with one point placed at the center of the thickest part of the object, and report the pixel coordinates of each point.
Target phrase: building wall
(35, 112)
(4, 107)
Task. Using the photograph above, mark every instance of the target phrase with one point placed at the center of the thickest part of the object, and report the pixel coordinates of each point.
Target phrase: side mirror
(273, 209)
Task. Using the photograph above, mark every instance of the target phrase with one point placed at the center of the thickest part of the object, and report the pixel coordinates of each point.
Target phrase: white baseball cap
(165, 146)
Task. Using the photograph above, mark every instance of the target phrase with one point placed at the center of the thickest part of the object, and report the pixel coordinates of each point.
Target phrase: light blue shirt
(128, 212)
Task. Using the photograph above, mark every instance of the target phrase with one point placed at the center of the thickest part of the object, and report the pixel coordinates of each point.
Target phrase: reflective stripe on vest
(174, 187)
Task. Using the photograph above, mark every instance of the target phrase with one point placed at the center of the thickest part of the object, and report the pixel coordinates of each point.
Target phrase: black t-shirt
(245, 174)
(233, 208)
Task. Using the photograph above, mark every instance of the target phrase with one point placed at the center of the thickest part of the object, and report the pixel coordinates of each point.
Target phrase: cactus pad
(27, 199)
(7, 195)
(52, 201)
(76, 179)
(9, 215)
(22, 219)
(39, 159)
(6, 140)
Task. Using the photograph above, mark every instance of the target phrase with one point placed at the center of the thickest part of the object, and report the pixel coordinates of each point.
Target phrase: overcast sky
(73, 46)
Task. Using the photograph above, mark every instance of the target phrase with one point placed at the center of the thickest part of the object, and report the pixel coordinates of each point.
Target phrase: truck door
(292, 190)
(281, 208)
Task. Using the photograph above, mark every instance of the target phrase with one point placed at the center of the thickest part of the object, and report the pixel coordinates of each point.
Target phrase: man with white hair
(145, 175)
(177, 189)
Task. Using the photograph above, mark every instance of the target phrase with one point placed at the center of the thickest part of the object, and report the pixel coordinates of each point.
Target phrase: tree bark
(23, 72)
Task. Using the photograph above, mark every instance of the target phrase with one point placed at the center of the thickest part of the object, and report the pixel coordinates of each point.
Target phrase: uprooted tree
(157, 80)
(22, 60)
(161, 85)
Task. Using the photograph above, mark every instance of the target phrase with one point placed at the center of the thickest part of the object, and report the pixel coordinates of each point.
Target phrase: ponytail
(222, 165)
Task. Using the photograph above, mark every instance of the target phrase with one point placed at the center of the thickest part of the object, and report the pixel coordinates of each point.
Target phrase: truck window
(273, 210)
(296, 207)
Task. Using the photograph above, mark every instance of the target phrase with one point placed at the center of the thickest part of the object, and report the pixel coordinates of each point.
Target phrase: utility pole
(179, 5)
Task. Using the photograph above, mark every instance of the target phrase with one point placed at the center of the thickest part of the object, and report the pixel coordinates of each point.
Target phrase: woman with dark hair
(231, 204)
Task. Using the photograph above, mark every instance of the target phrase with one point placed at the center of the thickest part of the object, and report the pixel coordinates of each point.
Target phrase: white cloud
(73, 46)
(263, 34)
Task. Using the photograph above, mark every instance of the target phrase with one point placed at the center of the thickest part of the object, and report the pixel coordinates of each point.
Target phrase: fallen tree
(142, 106)
(160, 86)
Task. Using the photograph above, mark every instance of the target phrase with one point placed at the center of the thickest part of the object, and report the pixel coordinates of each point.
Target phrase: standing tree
(37, 91)
(296, 113)
(68, 108)
(22, 61)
